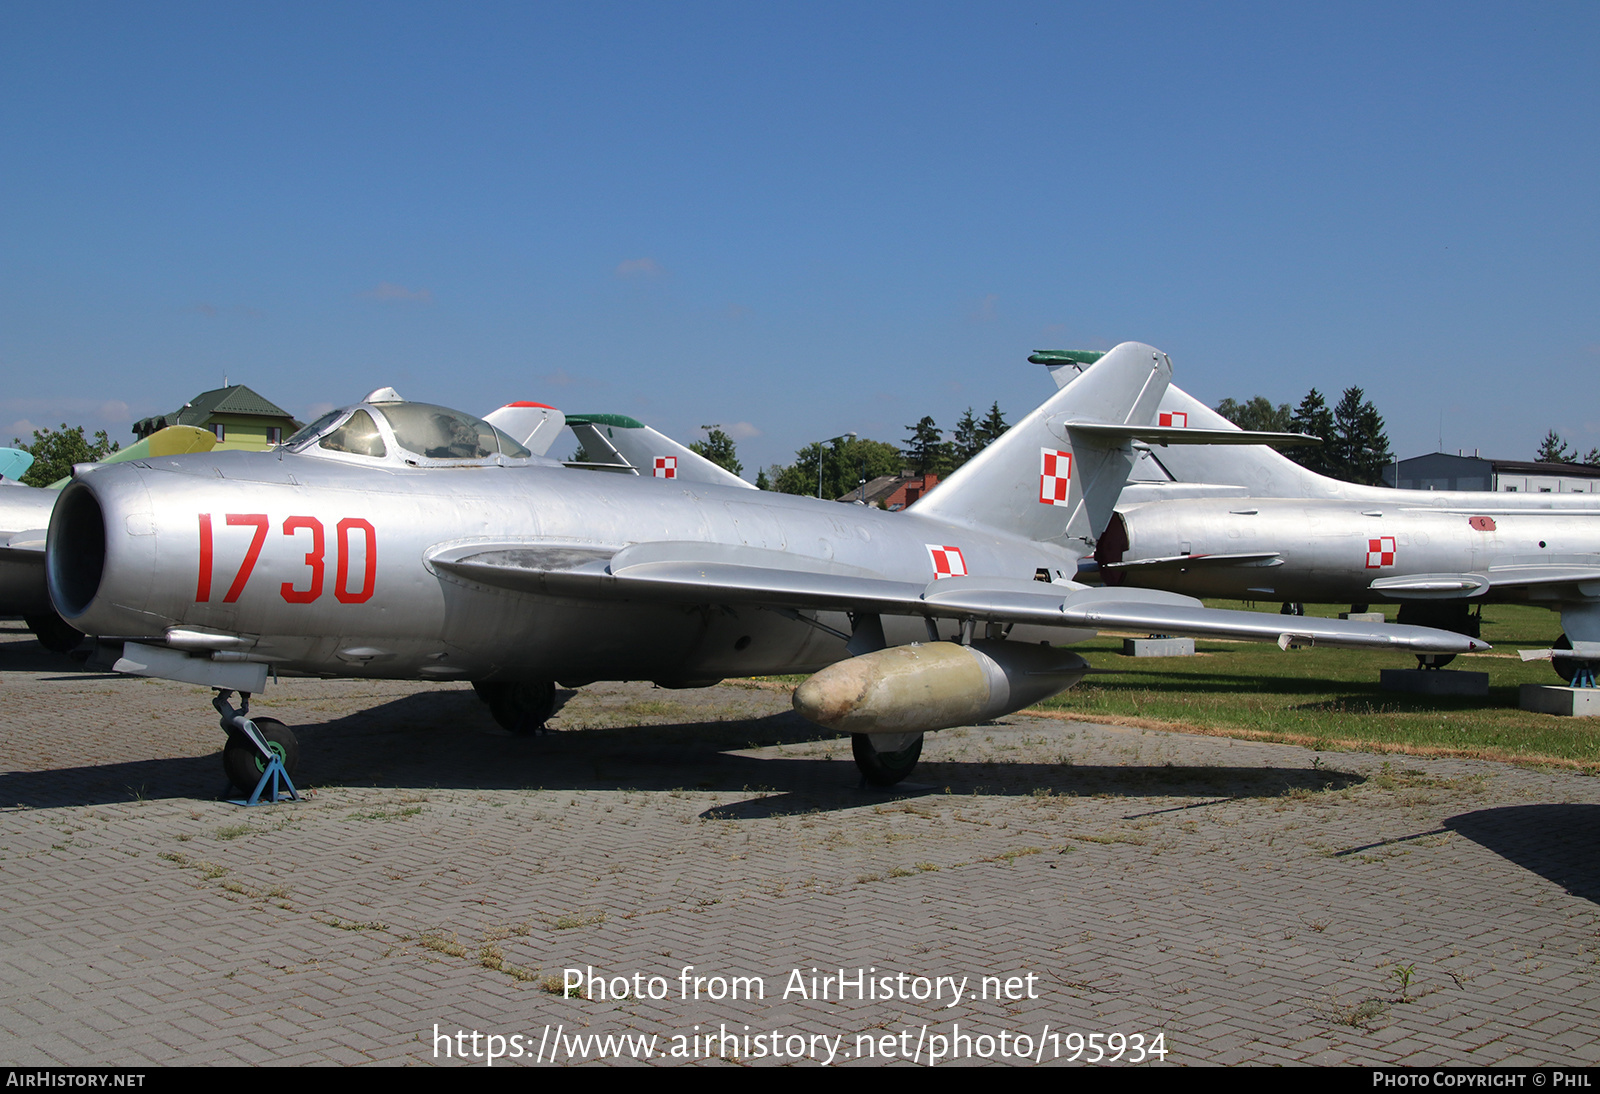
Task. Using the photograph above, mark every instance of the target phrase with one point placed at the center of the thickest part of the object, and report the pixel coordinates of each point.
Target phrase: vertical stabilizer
(1044, 480)
(651, 454)
(1263, 471)
(1259, 469)
(532, 425)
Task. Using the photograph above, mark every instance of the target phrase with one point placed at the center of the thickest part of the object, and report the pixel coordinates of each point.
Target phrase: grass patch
(440, 944)
(1329, 699)
(386, 814)
(568, 922)
(208, 870)
(352, 924)
(1359, 1015)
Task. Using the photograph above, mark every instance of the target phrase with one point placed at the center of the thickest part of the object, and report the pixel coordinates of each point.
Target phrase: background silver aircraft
(1247, 523)
(396, 539)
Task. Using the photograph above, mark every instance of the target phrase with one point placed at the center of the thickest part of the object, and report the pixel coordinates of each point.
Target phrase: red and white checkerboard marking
(1380, 552)
(1176, 419)
(947, 561)
(1055, 476)
(666, 467)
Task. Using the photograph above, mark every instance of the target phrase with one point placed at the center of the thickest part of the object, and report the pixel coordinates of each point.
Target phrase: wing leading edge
(693, 573)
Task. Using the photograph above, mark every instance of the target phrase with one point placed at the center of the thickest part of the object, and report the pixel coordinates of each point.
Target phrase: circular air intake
(76, 550)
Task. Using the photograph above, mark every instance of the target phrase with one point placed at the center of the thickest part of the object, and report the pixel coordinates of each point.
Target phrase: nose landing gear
(261, 753)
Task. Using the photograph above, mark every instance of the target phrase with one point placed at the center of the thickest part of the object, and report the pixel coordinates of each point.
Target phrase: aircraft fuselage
(324, 567)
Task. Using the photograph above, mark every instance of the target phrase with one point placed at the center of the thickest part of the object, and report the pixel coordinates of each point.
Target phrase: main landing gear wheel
(883, 767)
(54, 633)
(1567, 667)
(243, 761)
(521, 707)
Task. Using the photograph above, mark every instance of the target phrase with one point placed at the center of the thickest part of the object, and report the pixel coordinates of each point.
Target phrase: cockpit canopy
(385, 427)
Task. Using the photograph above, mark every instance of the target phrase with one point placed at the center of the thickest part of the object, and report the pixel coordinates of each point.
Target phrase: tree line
(56, 450)
(838, 466)
(1354, 448)
(1554, 449)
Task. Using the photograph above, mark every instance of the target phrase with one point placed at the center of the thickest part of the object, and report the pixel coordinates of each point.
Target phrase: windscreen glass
(310, 431)
(438, 433)
(358, 436)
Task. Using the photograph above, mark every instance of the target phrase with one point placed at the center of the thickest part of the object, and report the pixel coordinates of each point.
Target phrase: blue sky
(797, 220)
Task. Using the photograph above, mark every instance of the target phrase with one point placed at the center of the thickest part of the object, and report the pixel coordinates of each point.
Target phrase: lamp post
(821, 450)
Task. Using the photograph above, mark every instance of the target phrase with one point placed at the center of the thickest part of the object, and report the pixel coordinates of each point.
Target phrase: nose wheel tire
(244, 763)
(882, 768)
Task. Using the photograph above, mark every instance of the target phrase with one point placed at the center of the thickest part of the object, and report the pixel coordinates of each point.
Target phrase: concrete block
(1435, 682)
(1158, 647)
(1554, 699)
(1363, 617)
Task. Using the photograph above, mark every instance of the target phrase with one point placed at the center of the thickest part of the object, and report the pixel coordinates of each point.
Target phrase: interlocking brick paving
(1251, 903)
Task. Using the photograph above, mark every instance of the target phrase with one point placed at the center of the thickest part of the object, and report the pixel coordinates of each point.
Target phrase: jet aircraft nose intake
(76, 551)
(100, 557)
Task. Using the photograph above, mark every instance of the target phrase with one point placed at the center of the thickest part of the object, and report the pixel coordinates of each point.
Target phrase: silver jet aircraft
(1247, 523)
(404, 540)
(25, 511)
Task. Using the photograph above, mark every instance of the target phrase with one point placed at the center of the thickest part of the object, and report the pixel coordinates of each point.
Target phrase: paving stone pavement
(1248, 903)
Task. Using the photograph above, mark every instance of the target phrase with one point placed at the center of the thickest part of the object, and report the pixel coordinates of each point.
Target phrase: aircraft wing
(24, 544)
(175, 440)
(14, 463)
(690, 573)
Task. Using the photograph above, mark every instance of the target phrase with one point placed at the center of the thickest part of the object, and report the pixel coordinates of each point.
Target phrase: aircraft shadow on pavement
(1556, 842)
(446, 739)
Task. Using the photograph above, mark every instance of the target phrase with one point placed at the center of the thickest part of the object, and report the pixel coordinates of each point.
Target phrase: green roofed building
(239, 417)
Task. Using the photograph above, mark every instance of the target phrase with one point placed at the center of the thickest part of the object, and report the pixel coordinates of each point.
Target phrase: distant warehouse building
(237, 416)
(1442, 471)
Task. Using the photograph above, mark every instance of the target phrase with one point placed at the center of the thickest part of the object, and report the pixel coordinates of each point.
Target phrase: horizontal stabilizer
(1167, 435)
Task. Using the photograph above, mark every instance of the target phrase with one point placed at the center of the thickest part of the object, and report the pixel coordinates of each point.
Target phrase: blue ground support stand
(282, 787)
(1583, 675)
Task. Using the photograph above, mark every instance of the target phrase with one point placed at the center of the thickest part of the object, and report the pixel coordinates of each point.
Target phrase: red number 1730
(314, 559)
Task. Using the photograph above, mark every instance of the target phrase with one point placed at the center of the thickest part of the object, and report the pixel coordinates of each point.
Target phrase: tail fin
(650, 453)
(1048, 481)
(1259, 470)
(532, 425)
(1263, 471)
